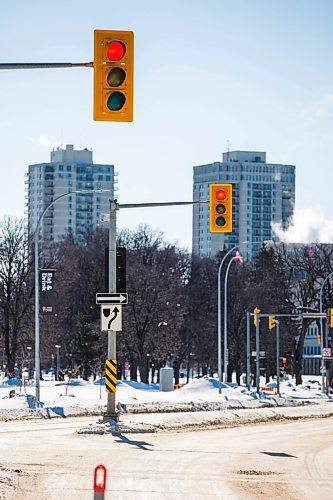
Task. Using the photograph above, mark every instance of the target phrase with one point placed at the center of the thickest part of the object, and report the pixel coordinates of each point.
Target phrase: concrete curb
(205, 420)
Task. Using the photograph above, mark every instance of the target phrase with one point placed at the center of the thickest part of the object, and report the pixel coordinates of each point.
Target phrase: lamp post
(219, 322)
(57, 346)
(37, 340)
(237, 258)
(29, 361)
(322, 362)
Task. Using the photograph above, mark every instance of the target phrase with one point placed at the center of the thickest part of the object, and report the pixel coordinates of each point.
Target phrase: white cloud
(48, 143)
(309, 225)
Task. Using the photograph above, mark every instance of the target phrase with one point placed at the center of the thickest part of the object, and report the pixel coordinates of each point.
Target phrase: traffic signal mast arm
(45, 65)
(161, 204)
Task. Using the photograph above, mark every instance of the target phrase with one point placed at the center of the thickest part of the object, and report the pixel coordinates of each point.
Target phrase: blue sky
(255, 73)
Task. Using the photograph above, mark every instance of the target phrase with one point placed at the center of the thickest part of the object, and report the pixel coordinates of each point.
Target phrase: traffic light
(331, 318)
(220, 204)
(255, 313)
(318, 340)
(113, 75)
(271, 322)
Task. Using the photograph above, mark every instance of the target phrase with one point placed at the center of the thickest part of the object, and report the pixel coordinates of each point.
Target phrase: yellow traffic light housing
(255, 313)
(220, 205)
(113, 75)
(271, 322)
(331, 318)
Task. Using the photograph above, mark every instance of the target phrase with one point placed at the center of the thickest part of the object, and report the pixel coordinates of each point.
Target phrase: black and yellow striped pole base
(110, 375)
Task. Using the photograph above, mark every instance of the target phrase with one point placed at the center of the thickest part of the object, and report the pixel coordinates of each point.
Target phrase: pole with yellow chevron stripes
(110, 375)
(111, 363)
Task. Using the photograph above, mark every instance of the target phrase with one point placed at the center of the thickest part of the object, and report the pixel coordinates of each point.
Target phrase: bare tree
(154, 315)
(16, 288)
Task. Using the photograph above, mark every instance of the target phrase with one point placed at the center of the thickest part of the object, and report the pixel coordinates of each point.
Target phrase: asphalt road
(281, 460)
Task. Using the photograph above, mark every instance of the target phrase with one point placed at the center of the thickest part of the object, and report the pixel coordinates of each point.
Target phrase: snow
(59, 397)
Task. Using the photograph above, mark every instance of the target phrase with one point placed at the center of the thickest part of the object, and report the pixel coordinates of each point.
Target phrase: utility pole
(257, 354)
(277, 326)
(248, 354)
(112, 336)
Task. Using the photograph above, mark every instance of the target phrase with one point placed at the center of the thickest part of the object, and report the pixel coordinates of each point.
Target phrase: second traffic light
(255, 314)
(271, 322)
(113, 75)
(220, 205)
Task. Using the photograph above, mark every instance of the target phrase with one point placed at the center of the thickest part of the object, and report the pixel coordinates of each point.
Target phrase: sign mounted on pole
(110, 375)
(111, 318)
(47, 296)
(327, 352)
(111, 298)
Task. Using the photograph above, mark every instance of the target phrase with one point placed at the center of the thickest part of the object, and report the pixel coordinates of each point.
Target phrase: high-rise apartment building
(263, 193)
(78, 214)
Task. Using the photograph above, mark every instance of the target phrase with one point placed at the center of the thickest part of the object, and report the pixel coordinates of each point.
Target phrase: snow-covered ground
(59, 397)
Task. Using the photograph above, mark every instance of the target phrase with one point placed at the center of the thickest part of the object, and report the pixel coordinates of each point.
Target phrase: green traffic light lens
(220, 208)
(116, 77)
(220, 221)
(115, 101)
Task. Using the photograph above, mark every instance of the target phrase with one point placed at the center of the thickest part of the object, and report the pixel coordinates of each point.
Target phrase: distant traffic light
(271, 322)
(255, 313)
(331, 318)
(220, 204)
(113, 75)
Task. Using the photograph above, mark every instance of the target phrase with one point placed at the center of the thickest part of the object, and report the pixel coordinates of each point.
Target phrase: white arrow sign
(111, 318)
(111, 298)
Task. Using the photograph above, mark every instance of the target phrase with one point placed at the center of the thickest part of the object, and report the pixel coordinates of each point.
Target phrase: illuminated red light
(115, 51)
(220, 194)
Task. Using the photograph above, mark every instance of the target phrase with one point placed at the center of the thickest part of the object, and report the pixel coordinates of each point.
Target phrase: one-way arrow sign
(111, 298)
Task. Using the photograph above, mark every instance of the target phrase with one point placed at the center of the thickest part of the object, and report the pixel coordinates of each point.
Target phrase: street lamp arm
(37, 340)
(219, 313)
(322, 364)
(321, 291)
(82, 191)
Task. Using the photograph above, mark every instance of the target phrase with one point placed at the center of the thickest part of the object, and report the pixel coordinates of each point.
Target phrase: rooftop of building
(252, 157)
(71, 155)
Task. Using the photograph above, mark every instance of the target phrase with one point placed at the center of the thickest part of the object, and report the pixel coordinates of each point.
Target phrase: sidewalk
(159, 422)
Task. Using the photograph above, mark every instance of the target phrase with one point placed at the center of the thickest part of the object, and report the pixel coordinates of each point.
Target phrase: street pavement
(287, 460)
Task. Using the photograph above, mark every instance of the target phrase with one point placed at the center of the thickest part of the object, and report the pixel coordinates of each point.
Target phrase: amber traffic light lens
(220, 208)
(116, 77)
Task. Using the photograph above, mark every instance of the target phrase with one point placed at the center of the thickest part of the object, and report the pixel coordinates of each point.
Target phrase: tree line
(171, 316)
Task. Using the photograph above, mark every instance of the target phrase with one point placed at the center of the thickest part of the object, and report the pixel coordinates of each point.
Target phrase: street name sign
(111, 298)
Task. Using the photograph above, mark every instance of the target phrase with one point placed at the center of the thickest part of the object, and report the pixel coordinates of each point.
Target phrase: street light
(57, 346)
(29, 361)
(219, 322)
(322, 362)
(37, 340)
(237, 258)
